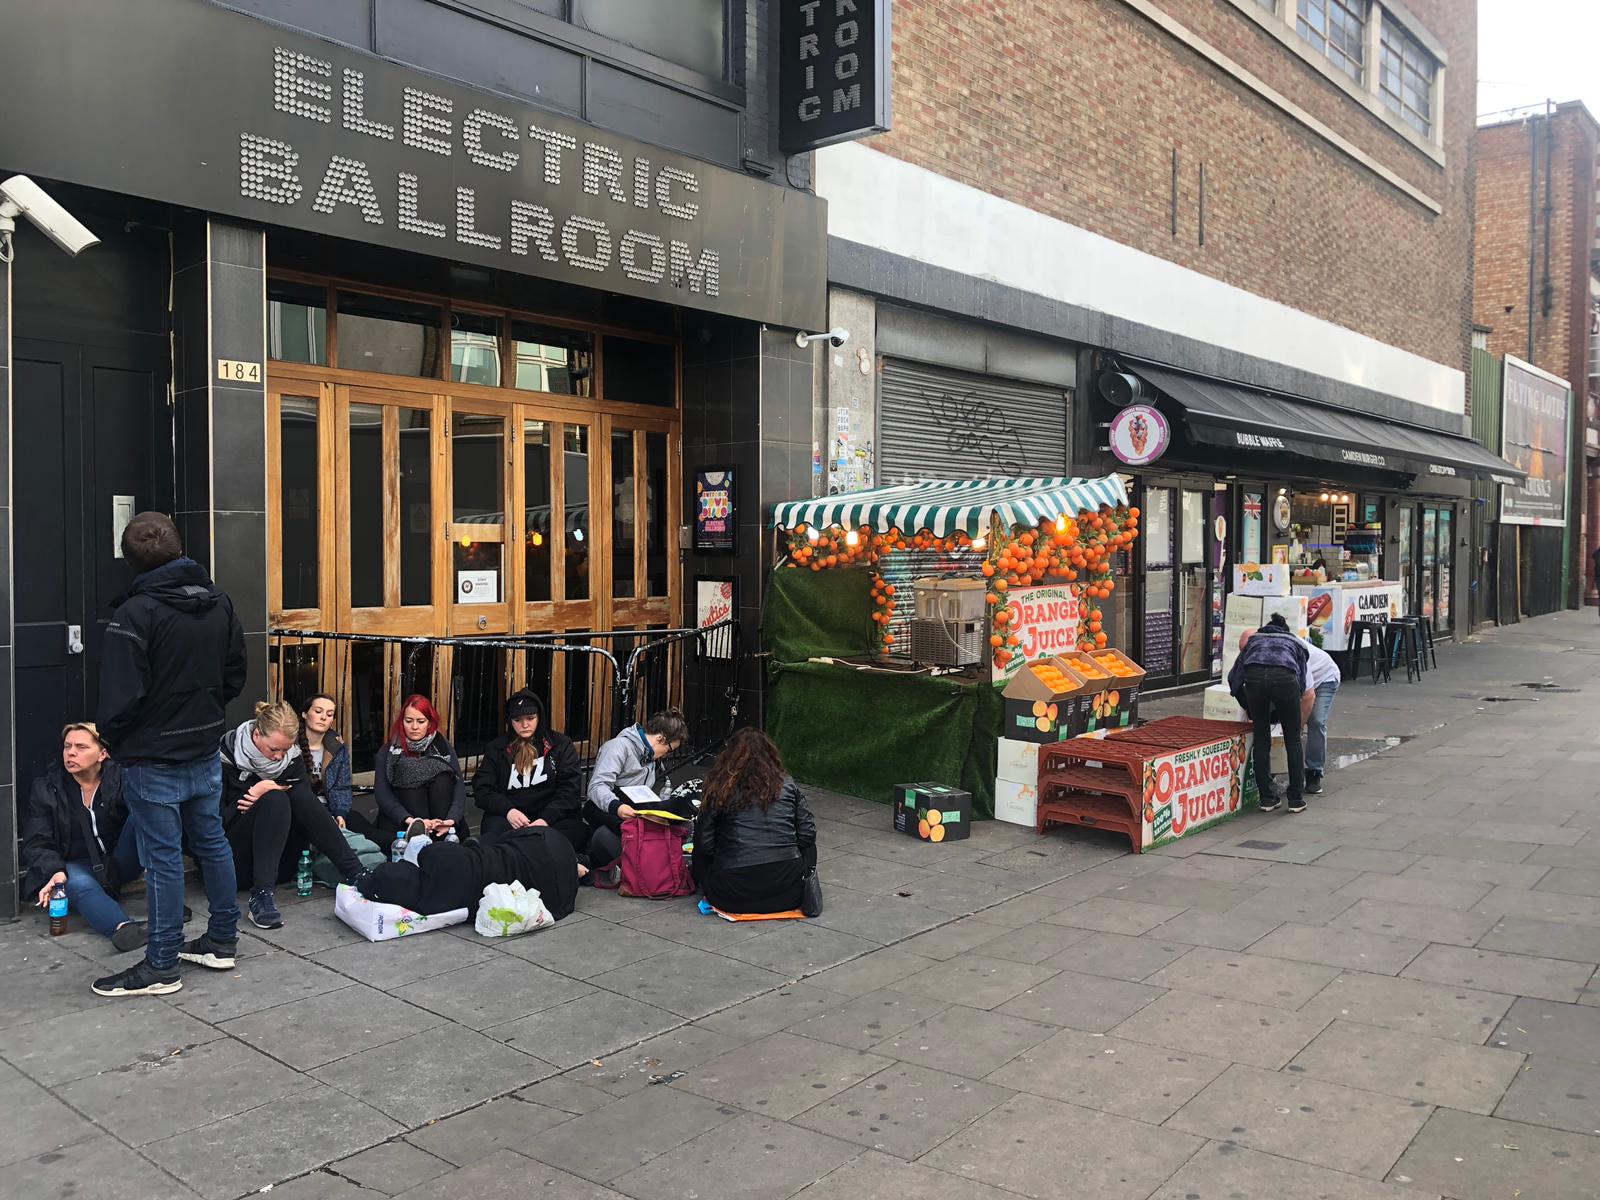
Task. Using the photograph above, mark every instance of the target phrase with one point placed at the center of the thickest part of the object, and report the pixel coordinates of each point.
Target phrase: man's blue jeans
(93, 902)
(171, 804)
(1317, 728)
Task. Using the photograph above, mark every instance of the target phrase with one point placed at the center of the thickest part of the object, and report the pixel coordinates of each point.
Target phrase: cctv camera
(836, 337)
(21, 196)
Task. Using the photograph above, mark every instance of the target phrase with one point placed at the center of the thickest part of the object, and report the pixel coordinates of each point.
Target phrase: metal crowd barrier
(594, 683)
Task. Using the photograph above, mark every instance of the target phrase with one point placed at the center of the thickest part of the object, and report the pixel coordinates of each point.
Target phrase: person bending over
(755, 838)
(438, 877)
(1322, 685)
(418, 776)
(531, 776)
(266, 800)
(75, 832)
(1268, 680)
(631, 759)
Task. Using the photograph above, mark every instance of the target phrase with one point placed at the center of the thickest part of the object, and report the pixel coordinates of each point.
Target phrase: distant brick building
(1536, 283)
(1271, 200)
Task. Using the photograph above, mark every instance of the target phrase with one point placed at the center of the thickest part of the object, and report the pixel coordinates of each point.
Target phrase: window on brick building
(1405, 77)
(1338, 30)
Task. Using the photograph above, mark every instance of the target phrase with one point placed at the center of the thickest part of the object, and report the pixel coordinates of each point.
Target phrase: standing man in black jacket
(174, 657)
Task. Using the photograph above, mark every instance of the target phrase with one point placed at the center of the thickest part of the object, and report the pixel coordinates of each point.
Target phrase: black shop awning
(1225, 414)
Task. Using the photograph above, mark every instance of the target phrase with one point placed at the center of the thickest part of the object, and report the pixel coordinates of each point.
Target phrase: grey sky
(1533, 50)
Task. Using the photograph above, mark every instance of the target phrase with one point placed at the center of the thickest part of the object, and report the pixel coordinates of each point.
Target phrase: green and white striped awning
(943, 507)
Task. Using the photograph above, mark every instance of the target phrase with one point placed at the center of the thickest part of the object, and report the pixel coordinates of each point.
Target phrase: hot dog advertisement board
(1332, 608)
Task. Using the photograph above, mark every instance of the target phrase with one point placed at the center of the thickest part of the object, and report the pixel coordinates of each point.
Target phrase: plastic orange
(1099, 639)
(996, 640)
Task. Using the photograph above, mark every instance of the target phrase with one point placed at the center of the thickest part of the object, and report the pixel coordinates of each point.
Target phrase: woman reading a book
(755, 839)
(627, 768)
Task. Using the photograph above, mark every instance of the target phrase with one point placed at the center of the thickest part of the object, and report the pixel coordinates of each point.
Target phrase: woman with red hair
(418, 776)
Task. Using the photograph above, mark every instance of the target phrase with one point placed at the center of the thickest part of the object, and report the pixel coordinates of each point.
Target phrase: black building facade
(420, 315)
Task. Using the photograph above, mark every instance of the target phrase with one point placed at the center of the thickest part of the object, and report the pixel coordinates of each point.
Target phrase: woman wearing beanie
(264, 796)
(531, 776)
(418, 776)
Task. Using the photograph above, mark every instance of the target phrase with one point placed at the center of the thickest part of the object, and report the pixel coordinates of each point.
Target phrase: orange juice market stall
(865, 698)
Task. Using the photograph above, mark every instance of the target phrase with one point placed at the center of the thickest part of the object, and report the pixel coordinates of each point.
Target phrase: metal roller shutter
(935, 423)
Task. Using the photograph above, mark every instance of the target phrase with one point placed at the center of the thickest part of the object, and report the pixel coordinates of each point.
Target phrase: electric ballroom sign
(833, 76)
(306, 86)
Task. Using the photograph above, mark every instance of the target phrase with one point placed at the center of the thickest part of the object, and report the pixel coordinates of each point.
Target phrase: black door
(90, 426)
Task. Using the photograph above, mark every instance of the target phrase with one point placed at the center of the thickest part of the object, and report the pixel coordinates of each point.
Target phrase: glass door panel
(1429, 559)
(300, 519)
(1194, 604)
(390, 474)
(1441, 606)
(1407, 585)
(538, 546)
(478, 520)
(1158, 584)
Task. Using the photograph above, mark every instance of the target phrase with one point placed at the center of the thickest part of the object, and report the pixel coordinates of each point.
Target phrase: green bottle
(302, 875)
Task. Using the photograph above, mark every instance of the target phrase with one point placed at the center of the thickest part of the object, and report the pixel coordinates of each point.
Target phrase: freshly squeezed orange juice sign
(1191, 788)
(1046, 620)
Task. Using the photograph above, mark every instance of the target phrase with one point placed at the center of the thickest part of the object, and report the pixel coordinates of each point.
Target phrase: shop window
(416, 506)
(536, 509)
(366, 506)
(638, 372)
(391, 337)
(1337, 29)
(475, 348)
(580, 540)
(1405, 77)
(298, 480)
(623, 522)
(553, 359)
(297, 323)
(656, 548)
(691, 33)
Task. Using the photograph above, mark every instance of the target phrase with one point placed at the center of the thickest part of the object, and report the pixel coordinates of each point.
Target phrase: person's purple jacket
(1270, 646)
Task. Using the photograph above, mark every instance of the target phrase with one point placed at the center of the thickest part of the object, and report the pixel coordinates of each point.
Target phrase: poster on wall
(714, 603)
(716, 512)
(477, 587)
(1046, 620)
(1535, 428)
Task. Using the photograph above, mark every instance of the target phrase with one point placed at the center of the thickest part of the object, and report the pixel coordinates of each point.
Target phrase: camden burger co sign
(187, 102)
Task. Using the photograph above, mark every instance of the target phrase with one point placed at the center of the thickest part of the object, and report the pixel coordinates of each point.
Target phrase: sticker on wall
(1139, 435)
(713, 603)
(477, 587)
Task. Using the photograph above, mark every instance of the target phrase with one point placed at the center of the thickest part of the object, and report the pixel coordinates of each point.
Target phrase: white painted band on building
(901, 209)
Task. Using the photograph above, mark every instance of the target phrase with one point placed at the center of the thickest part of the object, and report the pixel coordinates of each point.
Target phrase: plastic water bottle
(302, 875)
(58, 910)
(397, 852)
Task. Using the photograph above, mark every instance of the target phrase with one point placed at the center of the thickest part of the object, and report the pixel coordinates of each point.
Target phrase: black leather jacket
(748, 837)
(54, 802)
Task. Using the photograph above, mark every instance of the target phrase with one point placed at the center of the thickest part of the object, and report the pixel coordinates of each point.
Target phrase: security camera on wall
(834, 338)
(22, 197)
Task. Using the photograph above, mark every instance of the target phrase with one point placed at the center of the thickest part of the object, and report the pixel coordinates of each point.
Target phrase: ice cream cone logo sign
(1139, 435)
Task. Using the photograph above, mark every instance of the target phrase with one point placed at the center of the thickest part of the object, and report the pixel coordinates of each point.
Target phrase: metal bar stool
(1425, 654)
(1368, 636)
(1405, 638)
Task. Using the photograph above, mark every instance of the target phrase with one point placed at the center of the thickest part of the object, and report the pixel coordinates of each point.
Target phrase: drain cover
(1254, 844)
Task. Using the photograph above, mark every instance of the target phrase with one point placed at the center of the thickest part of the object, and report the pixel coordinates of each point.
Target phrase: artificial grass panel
(866, 732)
(818, 614)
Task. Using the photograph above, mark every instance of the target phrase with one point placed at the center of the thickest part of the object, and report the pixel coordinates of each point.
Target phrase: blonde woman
(265, 797)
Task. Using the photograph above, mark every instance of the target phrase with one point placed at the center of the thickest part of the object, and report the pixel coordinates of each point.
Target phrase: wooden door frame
(324, 615)
(463, 619)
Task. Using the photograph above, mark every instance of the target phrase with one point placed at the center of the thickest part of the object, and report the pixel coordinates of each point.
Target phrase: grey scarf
(248, 756)
(417, 768)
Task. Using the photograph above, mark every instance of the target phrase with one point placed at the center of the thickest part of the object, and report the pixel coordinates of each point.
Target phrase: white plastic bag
(383, 922)
(508, 909)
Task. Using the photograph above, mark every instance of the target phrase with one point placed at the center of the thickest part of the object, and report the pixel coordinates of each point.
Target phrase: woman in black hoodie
(531, 776)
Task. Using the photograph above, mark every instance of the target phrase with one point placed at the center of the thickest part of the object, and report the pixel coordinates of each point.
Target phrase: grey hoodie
(625, 761)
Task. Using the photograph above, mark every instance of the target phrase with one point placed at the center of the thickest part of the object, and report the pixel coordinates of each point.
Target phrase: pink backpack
(653, 866)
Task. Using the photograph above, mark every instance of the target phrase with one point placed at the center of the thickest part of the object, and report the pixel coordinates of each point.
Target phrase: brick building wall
(1501, 300)
(1074, 110)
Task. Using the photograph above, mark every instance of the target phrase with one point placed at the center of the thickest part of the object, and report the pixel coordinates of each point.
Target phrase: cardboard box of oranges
(932, 812)
(1040, 703)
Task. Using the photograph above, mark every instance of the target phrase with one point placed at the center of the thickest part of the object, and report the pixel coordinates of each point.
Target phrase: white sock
(415, 846)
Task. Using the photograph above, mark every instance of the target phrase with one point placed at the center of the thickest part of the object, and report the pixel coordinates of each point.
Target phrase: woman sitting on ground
(631, 759)
(417, 775)
(438, 877)
(265, 798)
(324, 761)
(755, 839)
(75, 832)
(531, 776)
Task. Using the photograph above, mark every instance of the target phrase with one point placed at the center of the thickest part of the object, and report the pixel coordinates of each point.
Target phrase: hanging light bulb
(813, 536)
(1326, 497)
(1061, 523)
(466, 542)
(577, 535)
(852, 538)
(979, 543)
(538, 538)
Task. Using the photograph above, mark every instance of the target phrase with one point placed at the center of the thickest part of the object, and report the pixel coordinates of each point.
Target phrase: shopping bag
(379, 922)
(508, 909)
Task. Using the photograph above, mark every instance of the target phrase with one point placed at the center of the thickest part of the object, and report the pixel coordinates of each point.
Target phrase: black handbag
(811, 894)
